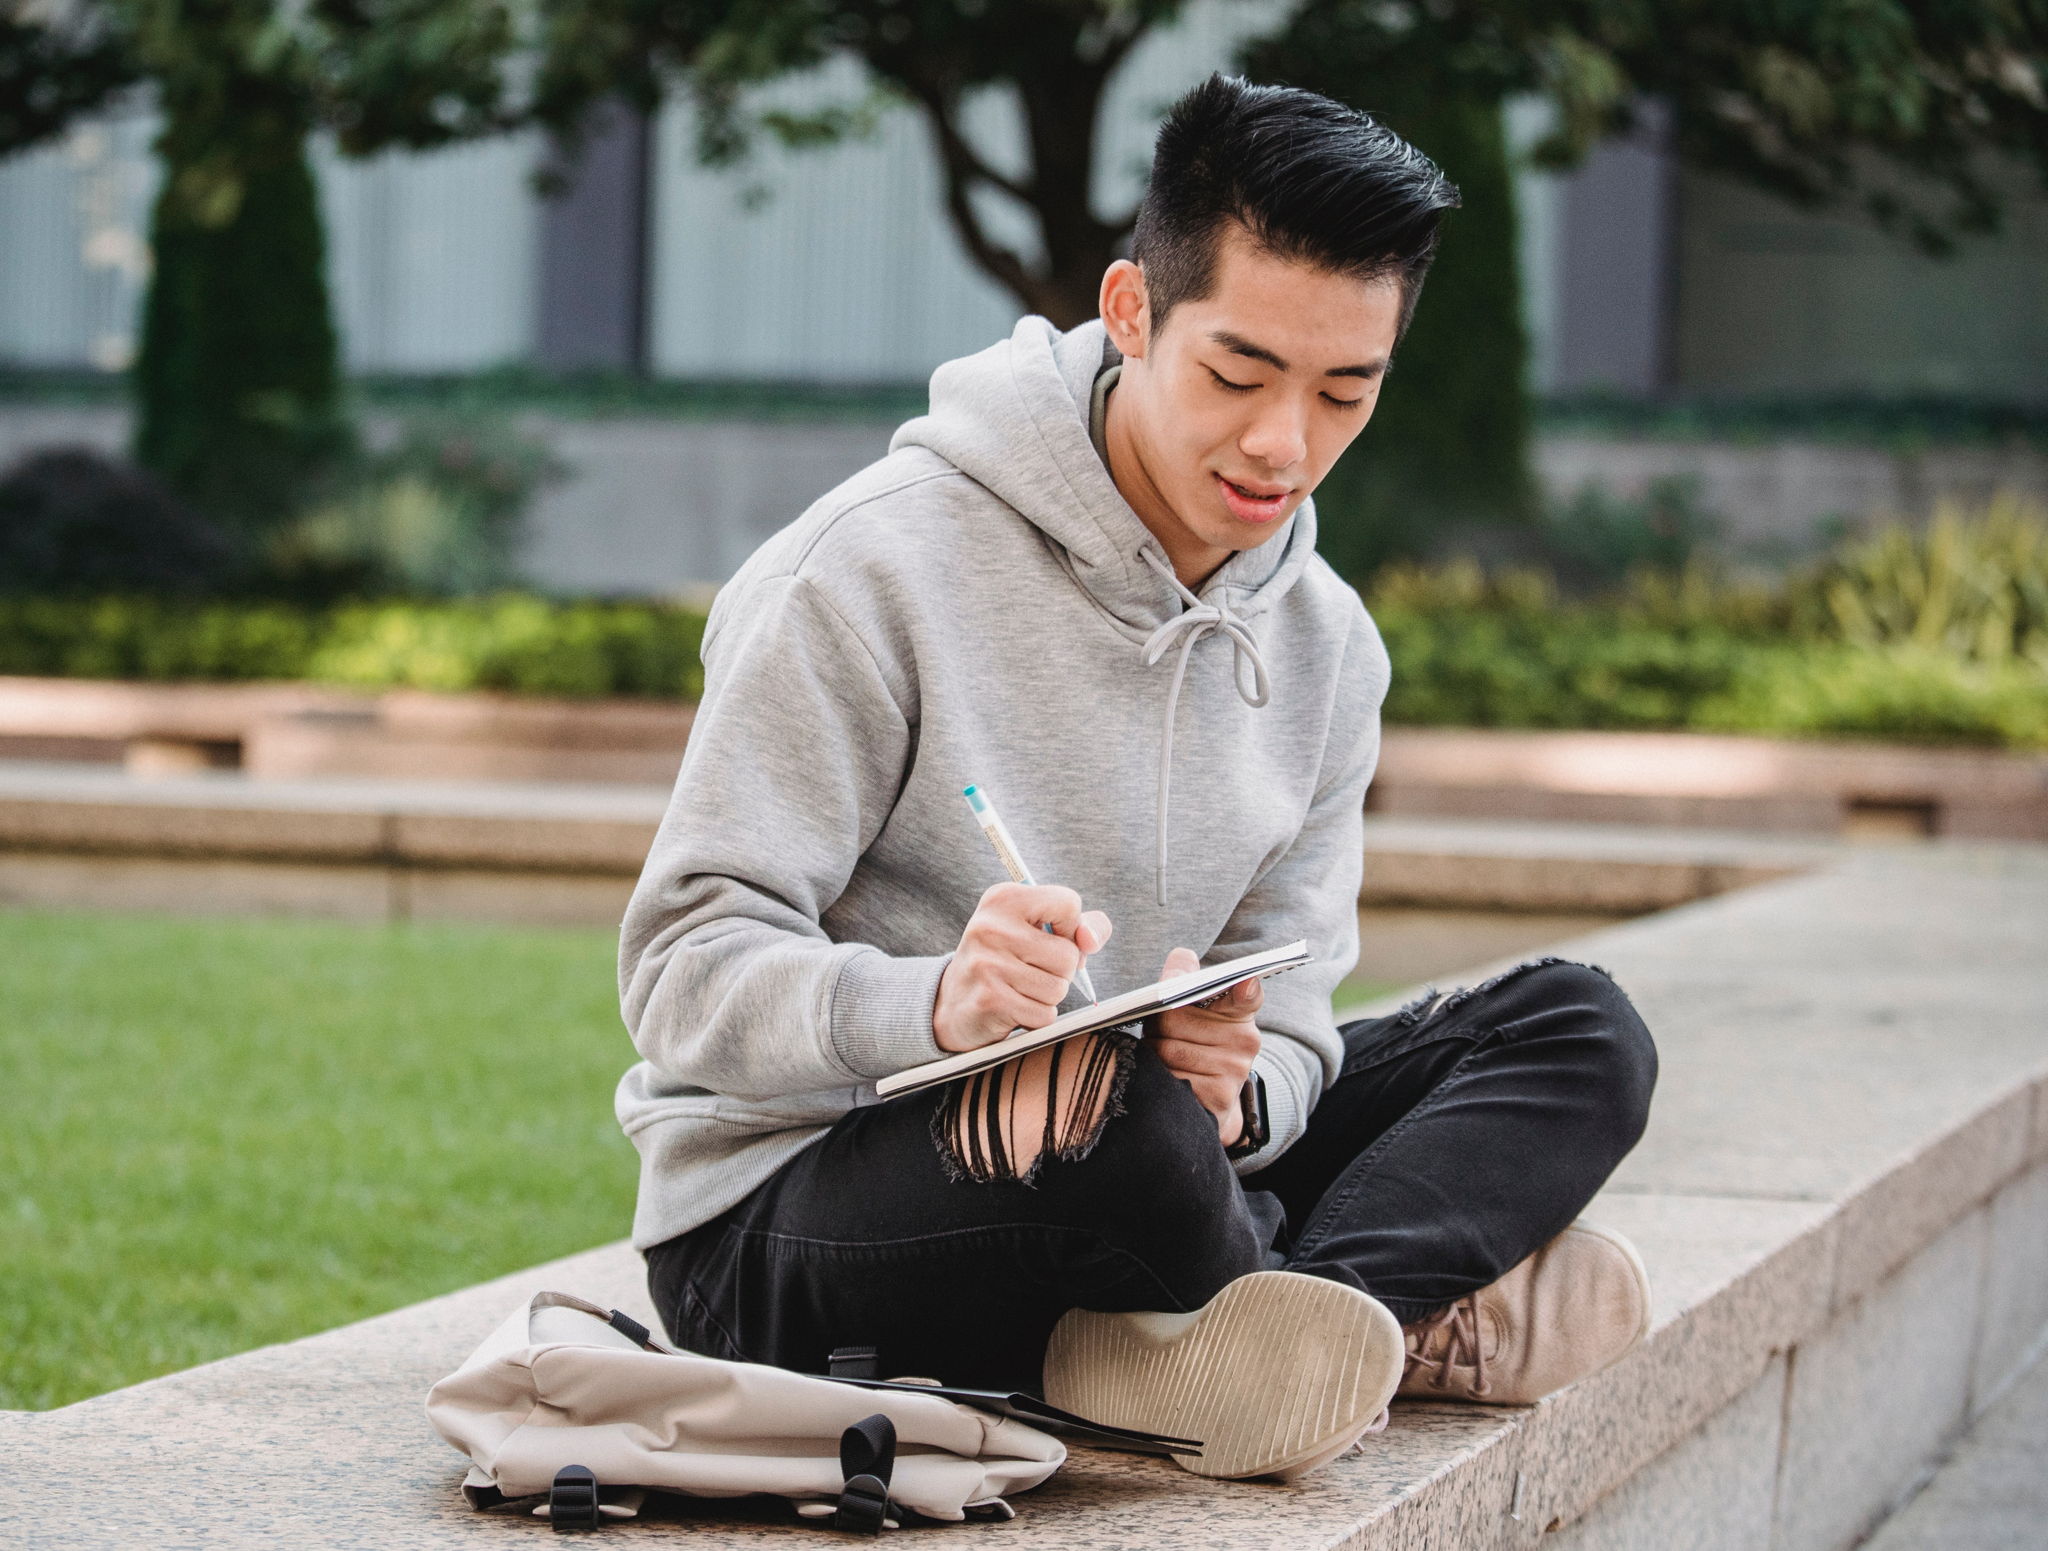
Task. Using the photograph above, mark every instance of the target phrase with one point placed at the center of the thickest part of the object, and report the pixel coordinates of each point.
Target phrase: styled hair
(1307, 178)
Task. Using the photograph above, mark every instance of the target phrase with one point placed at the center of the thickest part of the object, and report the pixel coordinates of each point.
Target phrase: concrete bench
(1842, 1199)
(75, 835)
(1724, 782)
(285, 731)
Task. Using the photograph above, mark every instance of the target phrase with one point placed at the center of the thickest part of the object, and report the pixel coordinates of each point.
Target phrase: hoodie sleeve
(1311, 892)
(727, 981)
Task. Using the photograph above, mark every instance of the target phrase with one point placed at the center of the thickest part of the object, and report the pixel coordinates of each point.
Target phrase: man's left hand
(1210, 1045)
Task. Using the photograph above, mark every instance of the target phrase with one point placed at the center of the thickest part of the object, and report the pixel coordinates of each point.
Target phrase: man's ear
(1126, 309)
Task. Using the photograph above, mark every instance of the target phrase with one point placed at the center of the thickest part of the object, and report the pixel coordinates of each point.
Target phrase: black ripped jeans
(1462, 1134)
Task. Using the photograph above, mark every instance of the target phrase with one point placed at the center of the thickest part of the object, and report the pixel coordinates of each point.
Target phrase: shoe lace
(1449, 1337)
(1377, 1425)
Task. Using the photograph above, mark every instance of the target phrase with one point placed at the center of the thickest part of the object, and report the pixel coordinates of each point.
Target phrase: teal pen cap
(998, 834)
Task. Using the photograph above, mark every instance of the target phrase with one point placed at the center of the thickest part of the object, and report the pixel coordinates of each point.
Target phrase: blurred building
(838, 265)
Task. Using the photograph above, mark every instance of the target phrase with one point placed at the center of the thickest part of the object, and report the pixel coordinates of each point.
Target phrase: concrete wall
(665, 505)
(1779, 301)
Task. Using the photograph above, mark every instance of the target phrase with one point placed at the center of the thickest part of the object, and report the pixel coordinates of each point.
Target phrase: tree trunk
(237, 381)
(1062, 112)
(1061, 97)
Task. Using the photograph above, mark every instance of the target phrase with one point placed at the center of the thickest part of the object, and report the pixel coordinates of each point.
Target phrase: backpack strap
(867, 1458)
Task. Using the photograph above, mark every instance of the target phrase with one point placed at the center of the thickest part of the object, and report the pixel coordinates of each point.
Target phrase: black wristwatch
(1252, 1101)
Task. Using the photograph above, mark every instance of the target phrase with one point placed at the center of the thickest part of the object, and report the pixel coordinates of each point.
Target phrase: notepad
(1130, 1008)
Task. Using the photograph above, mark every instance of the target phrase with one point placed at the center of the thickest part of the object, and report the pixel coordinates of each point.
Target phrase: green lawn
(218, 1133)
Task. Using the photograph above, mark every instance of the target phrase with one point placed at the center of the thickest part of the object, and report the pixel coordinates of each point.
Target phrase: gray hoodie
(982, 606)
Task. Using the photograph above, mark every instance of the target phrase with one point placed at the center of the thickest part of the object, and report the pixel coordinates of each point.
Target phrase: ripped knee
(1003, 1123)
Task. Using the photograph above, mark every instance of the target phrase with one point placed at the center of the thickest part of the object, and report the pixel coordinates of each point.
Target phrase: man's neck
(1193, 561)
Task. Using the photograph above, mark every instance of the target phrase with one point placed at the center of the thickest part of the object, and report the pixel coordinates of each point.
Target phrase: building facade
(838, 265)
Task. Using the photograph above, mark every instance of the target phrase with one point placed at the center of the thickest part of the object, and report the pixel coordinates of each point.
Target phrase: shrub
(73, 520)
(509, 642)
(1598, 538)
(1973, 585)
(439, 513)
(1904, 694)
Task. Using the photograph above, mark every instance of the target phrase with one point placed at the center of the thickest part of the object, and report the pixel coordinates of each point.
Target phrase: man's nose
(1276, 439)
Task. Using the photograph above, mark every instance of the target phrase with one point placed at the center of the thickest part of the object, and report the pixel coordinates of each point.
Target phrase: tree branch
(997, 261)
(957, 151)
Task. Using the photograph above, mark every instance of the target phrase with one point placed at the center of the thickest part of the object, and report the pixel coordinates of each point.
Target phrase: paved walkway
(1992, 1493)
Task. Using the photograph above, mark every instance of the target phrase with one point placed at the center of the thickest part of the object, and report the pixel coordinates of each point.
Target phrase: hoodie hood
(1014, 418)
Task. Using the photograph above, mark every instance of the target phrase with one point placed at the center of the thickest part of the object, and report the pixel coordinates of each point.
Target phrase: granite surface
(1834, 1171)
(1714, 1492)
(2014, 1327)
(1992, 1492)
(1878, 1394)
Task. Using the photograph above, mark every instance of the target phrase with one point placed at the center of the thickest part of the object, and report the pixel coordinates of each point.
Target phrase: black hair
(1309, 179)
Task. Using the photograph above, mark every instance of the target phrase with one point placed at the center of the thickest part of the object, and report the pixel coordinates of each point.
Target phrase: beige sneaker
(1569, 1310)
(1276, 1374)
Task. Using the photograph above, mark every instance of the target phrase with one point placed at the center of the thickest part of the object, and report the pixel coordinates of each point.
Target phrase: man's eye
(1235, 387)
(1331, 398)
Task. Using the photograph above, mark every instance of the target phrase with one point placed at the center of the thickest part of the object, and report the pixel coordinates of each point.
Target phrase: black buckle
(867, 1458)
(863, 1506)
(572, 1500)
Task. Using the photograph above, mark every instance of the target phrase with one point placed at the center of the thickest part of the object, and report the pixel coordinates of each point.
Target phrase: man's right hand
(1008, 973)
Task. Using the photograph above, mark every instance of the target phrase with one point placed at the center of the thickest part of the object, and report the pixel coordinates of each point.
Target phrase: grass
(220, 1133)
(1359, 988)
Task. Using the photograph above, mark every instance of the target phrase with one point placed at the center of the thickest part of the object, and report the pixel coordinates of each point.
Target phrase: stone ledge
(1841, 1200)
(1656, 778)
(418, 834)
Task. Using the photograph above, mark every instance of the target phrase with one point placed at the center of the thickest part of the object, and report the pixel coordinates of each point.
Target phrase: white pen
(1006, 849)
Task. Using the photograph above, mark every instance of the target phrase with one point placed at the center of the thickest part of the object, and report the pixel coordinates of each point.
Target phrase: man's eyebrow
(1237, 344)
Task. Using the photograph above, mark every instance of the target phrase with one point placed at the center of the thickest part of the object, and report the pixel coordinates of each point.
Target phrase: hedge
(1489, 664)
(513, 642)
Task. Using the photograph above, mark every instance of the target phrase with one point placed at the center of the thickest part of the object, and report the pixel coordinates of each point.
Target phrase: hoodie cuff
(881, 1020)
(1286, 1115)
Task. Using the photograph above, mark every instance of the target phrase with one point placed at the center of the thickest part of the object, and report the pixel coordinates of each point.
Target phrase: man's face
(1238, 406)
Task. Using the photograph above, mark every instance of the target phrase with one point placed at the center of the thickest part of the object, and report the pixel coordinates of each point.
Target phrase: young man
(1087, 581)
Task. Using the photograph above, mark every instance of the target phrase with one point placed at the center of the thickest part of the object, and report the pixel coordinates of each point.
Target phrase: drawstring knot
(1196, 620)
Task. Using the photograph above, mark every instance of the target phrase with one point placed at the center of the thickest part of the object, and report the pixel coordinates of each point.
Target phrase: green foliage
(1600, 538)
(54, 67)
(74, 521)
(1058, 56)
(1971, 586)
(1448, 445)
(1932, 636)
(510, 642)
(236, 379)
(507, 642)
(1902, 694)
(1884, 103)
(439, 513)
(220, 1133)
(237, 385)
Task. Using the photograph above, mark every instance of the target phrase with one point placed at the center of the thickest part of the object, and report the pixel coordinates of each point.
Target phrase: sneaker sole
(1275, 1374)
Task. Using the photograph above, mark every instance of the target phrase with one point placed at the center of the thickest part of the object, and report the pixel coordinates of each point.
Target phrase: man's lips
(1253, 503)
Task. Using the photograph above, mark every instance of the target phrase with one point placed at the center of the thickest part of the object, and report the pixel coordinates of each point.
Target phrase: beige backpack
(578, 1411)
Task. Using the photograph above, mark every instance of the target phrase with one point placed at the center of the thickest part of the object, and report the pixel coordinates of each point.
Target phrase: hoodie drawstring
(1195, 620)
